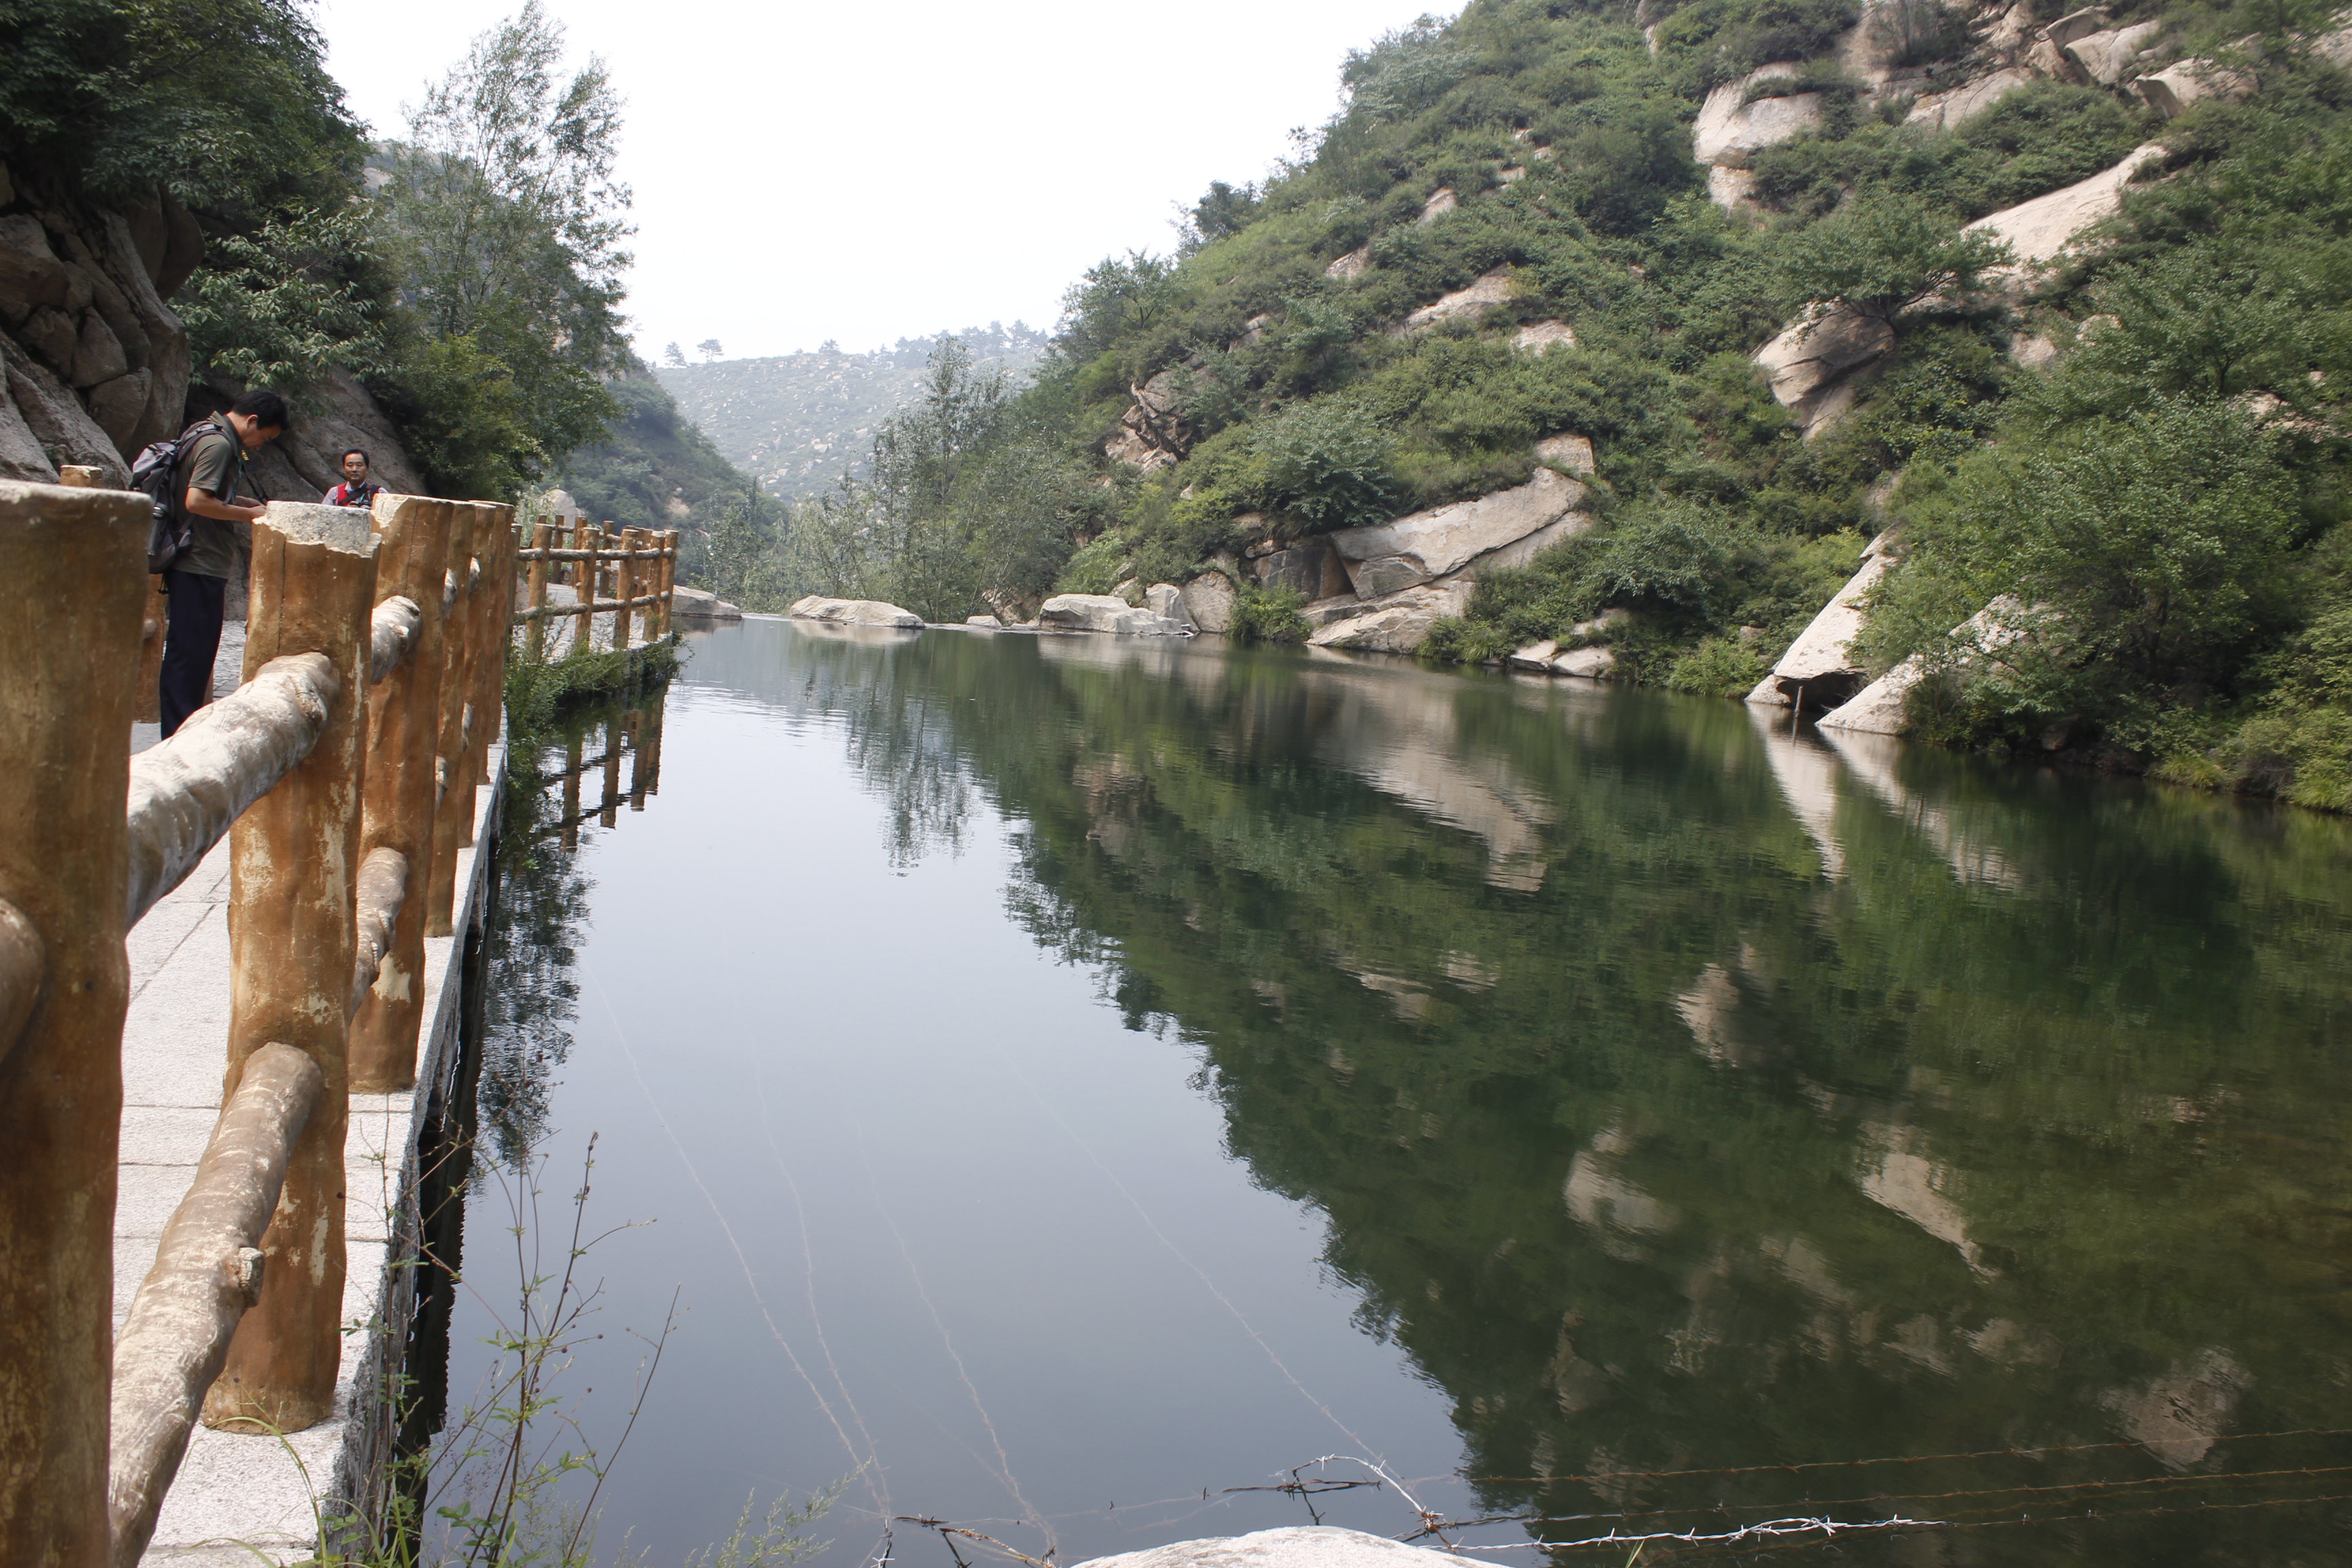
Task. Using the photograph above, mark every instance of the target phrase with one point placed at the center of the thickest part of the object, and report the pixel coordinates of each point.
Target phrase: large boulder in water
(1298, 1546)
(854, 613)
(1104, 612)
(1821, 666)
(694, 605)
(1210, 600)
(1166, 600)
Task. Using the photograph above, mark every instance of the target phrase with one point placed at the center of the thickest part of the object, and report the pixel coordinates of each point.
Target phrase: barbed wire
(1815, 1528)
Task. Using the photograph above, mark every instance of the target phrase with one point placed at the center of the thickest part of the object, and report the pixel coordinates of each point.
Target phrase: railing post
(650, 742)
(570, 835)
(74, 562)
(668, 577)
(493, 633)
(608, 810)
(453, 796)
(626, 588)
(292, 858)
(542, 539)
(403, 722)
(584, 583)
(639, 777)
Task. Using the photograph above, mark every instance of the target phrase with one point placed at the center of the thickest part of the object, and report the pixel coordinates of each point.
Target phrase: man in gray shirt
(212, 464)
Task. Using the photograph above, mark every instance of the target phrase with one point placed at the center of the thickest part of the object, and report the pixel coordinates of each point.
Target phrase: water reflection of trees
(557, 781)
(1687, 1096)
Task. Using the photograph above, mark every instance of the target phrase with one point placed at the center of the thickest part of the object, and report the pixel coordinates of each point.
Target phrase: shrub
(2141, 561)
(1269, 616)
(1883, 255)
(1326, 465)
(1457, 641)
(1718, 667)
(1096, 568)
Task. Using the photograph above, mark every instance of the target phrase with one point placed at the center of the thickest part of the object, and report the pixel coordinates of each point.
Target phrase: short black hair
(264, 406)
(359, 452)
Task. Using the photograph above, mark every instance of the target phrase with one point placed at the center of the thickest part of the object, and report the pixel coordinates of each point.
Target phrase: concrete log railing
(186, 792)
(642, 570)
(343, 772)
(209, 1271)
(74, 562)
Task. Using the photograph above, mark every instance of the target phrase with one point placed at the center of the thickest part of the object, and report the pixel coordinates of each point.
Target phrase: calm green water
(1071, 1076)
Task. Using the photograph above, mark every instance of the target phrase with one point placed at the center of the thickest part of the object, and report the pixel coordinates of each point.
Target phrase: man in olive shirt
(220, 517)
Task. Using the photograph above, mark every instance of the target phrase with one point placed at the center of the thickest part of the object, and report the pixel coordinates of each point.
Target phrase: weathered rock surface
(2103, 55)
(988, 623)
(1519, 551)
(1731, 189)
(335, 415)
(1209, 601)
(1309, 568)
(1441, 202)
(1352, 265)
(1541, 337)
(1490, 288)
(1296, 1546)
(1879, 707)
(1415, 549)
(854, 613)
(1806, 360)
(1395, 623)
(1567, 450)
(1166, 600)
(97, 362)
(1729, 130)
(2172, 91)
(1152, 433)
(1535, 655)
(1820, 666)
(1590, 663)
(1102, 613)
(2042, 229)
(1946, 110)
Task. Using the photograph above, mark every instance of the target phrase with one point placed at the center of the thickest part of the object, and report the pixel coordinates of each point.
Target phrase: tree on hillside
(505, 224)
(229, 108)
(673, 355)
(708, 349)
(1881, 256)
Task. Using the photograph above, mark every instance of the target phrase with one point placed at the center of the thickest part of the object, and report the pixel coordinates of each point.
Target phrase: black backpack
(152, 472)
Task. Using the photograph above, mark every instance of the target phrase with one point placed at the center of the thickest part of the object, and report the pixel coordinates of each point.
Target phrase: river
(1063, 1079)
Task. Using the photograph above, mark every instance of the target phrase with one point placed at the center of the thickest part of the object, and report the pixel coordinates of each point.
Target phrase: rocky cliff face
(97, 363)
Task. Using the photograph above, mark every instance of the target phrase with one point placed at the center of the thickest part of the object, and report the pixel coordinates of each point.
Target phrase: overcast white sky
(868, 171)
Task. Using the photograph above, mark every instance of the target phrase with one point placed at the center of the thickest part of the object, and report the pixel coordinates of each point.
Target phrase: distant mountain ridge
(801, 421)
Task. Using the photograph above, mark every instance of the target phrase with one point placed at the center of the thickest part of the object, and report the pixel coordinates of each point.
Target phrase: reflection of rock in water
(1871, 759)
(1400, 735)
(1808, 779)
(1919, 1190)
(2180, 1415)
(1707, 1009)
(1602, 1200)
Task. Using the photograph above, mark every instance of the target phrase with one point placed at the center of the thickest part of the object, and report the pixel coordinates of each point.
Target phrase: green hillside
(2130, 460)
(801, 421)
(655, 470)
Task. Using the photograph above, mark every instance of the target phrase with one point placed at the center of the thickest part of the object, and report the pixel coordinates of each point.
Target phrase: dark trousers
(190, 644)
